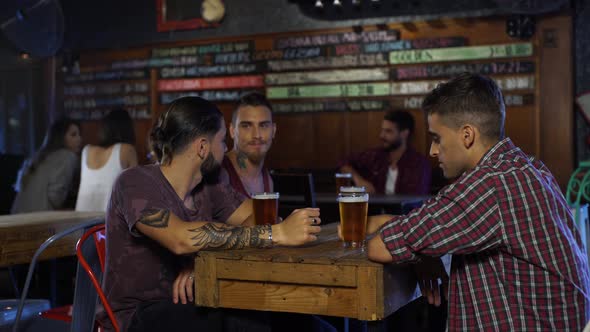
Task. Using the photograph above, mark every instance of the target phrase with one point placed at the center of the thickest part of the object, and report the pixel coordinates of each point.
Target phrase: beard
(210, 167)
(255, 158)
(392, 146)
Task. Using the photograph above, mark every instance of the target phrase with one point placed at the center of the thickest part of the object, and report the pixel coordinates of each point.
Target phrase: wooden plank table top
(22, 234)
(318, 278)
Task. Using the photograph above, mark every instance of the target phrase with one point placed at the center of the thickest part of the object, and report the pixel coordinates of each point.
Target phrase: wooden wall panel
(293, 146)
(319, 139)
(556, 93)
(520, 128)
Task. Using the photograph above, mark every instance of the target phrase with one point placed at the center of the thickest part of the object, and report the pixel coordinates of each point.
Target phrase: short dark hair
(402, 119)
(186, 119)
(117, 127)
(469, 98)
(250, 99)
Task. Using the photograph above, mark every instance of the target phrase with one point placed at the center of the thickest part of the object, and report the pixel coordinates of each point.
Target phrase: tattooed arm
(183, 237)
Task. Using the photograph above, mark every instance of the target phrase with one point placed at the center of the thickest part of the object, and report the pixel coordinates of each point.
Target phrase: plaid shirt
(518, 263)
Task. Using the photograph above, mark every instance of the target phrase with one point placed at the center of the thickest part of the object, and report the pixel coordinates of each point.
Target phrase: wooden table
(320, 278)
(22, 234)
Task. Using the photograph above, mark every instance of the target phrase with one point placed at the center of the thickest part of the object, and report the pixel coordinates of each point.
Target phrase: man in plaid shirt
(518, 262)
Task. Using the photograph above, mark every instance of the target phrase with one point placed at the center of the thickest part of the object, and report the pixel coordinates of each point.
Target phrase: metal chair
(85, 295)
(64, 313)
(98, 232)
(294, 184)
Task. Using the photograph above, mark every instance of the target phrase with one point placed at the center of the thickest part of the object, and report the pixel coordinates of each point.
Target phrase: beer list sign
(330, 72)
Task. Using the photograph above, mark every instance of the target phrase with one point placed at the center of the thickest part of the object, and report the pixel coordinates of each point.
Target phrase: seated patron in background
(160, 214)
(102, 163)
(252, 131)
(395, 167)
(517, 257)
(46, 178)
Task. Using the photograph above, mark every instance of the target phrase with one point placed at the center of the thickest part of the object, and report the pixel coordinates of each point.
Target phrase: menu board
(301, 73)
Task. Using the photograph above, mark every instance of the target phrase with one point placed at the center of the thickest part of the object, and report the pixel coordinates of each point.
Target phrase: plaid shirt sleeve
(464, 218)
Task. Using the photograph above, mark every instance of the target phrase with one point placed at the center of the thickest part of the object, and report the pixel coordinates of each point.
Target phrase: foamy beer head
(353, 218)
(343, 180)
(359, 190)
(266, 206)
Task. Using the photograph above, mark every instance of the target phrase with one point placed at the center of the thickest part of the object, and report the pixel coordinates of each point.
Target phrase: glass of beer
(343, 180)
(266, 206)
(353, 218)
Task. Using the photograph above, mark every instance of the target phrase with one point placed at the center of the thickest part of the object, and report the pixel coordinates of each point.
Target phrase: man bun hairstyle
(185, 119)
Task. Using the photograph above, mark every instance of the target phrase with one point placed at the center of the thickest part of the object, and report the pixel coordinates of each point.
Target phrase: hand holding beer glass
(353, 205)
(266, 206)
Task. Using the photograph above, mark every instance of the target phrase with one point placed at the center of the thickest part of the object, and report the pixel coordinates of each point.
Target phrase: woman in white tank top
(102, 163)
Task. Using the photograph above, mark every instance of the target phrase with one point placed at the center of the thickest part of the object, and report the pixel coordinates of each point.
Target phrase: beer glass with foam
(266, 206)
(353, 218)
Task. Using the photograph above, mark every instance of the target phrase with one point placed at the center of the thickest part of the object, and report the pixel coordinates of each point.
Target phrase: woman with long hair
(102, 163)
(45, 179)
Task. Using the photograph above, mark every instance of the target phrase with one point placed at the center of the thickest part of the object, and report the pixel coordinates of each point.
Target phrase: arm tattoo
(241, 159)
(155, 218)
(216, 236)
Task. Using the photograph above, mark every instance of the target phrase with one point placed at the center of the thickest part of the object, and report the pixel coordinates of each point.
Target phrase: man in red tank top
(252, 131)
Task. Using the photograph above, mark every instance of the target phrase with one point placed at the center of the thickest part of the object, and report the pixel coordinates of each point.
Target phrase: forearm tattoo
(216, 236)
(155, 218)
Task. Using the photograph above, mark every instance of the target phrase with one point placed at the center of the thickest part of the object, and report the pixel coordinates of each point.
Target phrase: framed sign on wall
(189, 14)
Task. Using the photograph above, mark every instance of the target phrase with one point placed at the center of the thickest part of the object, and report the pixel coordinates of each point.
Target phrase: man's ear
(274, 130)
(232, 131)
(202, 146)
(468, 133)
(405, 134)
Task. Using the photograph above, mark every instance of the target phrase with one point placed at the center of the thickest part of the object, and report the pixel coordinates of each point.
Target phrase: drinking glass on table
(343, 180)
(353, 207)
(266, 206)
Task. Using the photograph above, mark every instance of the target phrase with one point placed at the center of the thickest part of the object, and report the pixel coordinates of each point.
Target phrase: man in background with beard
(395, 167)
(252, 131)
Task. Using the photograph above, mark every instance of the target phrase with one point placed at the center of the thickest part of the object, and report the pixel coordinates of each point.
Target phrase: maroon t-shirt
(236, 182)
(138, 269)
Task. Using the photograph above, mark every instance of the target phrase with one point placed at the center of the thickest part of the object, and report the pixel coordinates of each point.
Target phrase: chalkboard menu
(91, 95)
(301, 73)
(344, 71)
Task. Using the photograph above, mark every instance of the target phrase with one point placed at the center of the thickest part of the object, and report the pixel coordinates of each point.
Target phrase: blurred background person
(102, 163)
(46, 177)
(395, 167)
